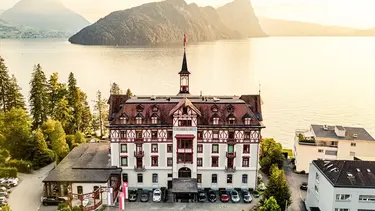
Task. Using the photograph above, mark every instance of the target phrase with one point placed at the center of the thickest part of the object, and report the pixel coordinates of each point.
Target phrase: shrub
(70, 140)
(79, 138)
(21, 165)
(74, 145)
(302, 172)
(8, 172)
(43, 158)
(5, 208)
(77, 208)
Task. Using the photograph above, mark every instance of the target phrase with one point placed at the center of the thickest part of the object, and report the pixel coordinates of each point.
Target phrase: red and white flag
(185, 40)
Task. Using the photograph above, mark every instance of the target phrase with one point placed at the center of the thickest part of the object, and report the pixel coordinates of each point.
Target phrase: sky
(353, 13)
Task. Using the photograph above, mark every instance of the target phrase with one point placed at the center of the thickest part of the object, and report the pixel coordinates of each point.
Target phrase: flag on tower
(185, 40)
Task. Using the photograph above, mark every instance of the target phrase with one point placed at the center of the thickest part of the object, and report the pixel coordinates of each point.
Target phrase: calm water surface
(303, 80)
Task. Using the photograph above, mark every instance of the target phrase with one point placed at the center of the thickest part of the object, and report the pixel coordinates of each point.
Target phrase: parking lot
(294, 181)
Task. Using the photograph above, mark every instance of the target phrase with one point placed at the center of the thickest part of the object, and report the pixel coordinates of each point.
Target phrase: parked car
(133, 195)
(211, 196)
(4, 194)
(10, 182)
(145, 196)
(5, 185)
(52, 200)
(201, 196)
(3, 202)
(156, 196)
(224, 196)
(235, 197)
(4, 189)
(303, 186)
(246, 196)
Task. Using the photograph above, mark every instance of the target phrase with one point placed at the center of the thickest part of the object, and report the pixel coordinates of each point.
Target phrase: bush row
(21, 165)
(8, 172)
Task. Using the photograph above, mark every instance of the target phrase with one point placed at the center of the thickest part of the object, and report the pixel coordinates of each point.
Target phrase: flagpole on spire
(185, 40)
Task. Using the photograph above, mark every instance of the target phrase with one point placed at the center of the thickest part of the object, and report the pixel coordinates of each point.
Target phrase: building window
(367, 198)
(199, 162)
(123, 134)
(230, 148)
(123, 120)
(79, 189)
(184, 157)
(185, 144)
(184, 123)
(231, 135)
(247, 135)
(331, 152)
(353, 144)
(245, 162)
(352, 153)
(246, 148)
(199, 178)
(154, 160)
(124, 148)
(170, 175)
(215, 162)
(244, 178)
(138, 134)
(215, 121)
(169, 148)
(200, 134)
(214, 179)
(247, 121)
(232, 121)
(215, 134)
(342, 209)
(200, 148)
(185, 110)
(320, 150)
(343, 197)
(229, 179)
(317, 177)
(316, 189)
(138, 120)
(154, 178)
(169, 161)
(215, 148)
(140, 178)
(124, 161)
(154, 120)
(124, 177)
(154, 134)
(154, 147)
(170, 135)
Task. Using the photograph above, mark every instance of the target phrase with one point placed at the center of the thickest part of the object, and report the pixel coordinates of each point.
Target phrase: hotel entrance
(184, 173)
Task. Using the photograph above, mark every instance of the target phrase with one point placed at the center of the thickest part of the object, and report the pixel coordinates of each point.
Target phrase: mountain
(274, 27)
(1, 11)
(158, 23)
(239, 15)
(44, 15)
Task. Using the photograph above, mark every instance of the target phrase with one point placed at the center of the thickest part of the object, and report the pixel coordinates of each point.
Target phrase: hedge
(21, 165)
(8, 172)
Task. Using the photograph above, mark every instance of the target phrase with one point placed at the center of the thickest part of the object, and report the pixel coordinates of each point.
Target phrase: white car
(156, 196)
(4, 189)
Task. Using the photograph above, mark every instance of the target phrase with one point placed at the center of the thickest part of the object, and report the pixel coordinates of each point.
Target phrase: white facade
(322, 194)
(328, 148)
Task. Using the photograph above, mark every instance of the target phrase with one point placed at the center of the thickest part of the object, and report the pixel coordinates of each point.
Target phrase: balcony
(230, 169)
(139, 168)
(139, 154)
(310, 141)
(231, 154)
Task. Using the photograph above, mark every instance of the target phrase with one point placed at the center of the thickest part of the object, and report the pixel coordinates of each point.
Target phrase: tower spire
(184, 73)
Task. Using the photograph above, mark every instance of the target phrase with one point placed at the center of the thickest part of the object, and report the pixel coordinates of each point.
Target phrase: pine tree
(53, 93)
(63, 112)
(86, 114)
(74, 99)
(270, 205)
(278, 188)
(115, 89)
(4, 85)
(101, 108)
(16, 99)
(129, 93)
(38, 97)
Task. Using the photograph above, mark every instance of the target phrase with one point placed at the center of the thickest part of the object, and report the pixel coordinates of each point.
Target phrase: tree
(86, 114)
(74, 100)
(63, 113)
(115, 89)
(270, 205)
(15, 128)
(102, 109)
(271, 153)
(278, 188)
(53, 93)
(129, 93)
(38, 97)
(79, 138)
(56, 138)
(5, 208)
(4, 155)
(42, 156)
(16, 99)
(4, 85)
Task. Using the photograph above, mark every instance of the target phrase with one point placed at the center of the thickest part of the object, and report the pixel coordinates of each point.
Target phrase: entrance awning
(188, 136)
(184, 185)
(314, 209)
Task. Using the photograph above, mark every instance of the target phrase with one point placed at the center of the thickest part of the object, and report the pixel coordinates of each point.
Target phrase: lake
(304, 80)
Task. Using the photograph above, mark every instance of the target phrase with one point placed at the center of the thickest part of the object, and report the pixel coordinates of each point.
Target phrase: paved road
(26, 196)
(294, 180)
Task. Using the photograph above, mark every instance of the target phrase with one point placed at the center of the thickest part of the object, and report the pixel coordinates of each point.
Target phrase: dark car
(303, 186)
(211, 195)
(133, 195)
(145, 196)
(246, 196)
(3, 202)
(52, 200)
(224, 196)
(201, 196)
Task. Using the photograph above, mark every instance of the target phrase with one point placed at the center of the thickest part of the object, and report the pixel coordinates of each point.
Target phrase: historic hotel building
(185, 142)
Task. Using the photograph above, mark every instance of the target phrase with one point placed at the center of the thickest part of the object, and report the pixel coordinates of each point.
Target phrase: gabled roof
(124, 115)
(186, 103)
(231, 115)
(140, 115)
(348, 173)
(215, 115)
(247, 115)
(155, 115)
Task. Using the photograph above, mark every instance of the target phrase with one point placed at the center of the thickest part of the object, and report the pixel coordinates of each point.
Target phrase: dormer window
(154, 120)
(231, 121)
(215, 121)
(138, 120)
(155, 108)
(122, 120)
(140, 108)
(247, 121)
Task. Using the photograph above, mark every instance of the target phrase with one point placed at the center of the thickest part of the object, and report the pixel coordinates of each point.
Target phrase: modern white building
(341, 186)
(208, 142)
(331, 143)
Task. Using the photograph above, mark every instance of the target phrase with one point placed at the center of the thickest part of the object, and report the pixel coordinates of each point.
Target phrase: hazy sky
(355, 13)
